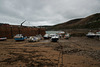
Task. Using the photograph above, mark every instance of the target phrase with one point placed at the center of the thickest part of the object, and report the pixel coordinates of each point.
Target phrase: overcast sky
(45, 12)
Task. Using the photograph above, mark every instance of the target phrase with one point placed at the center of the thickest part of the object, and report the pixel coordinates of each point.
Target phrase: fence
(10, 31)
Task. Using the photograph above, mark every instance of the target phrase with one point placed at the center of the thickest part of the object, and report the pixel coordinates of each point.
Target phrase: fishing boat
(46, 36)
(67, 36)
(91, 34)
(3, 38)
(19, 37)
(54, 38)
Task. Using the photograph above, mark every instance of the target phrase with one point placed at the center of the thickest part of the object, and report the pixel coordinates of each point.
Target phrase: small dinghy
(90, 35)
(3, 38)
(19, 37)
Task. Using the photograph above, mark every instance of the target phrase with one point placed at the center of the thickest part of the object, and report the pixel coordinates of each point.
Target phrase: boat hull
(3, 39)
(90, 36)
(32, 40)
(54, 39)
(46, 37)
(97, 35)
(19, 39)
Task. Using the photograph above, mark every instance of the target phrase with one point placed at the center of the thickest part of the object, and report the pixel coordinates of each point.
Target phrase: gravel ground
(74, 52)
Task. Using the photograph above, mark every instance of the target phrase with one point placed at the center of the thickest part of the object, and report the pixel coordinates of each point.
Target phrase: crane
(20, 26)
(22, 22)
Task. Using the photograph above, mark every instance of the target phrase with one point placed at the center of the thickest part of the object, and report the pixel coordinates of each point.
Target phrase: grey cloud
(46, 12)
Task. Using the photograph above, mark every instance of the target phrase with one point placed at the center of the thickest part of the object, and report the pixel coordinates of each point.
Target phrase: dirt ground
(74, 52)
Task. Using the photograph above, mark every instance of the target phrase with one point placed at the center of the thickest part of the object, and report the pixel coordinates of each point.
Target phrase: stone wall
(10, 31)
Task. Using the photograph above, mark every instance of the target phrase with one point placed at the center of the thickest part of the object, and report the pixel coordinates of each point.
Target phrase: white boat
(3, 38)
(67, 36)
(31, 39)
(37, 39)
(51, 35)
(55, 38)
(46, 36)
(91, 34)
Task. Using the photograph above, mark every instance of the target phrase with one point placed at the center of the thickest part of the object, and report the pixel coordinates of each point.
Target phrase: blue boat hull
(19, 39)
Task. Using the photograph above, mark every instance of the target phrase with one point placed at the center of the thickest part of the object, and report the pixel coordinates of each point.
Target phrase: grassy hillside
(90, 22)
